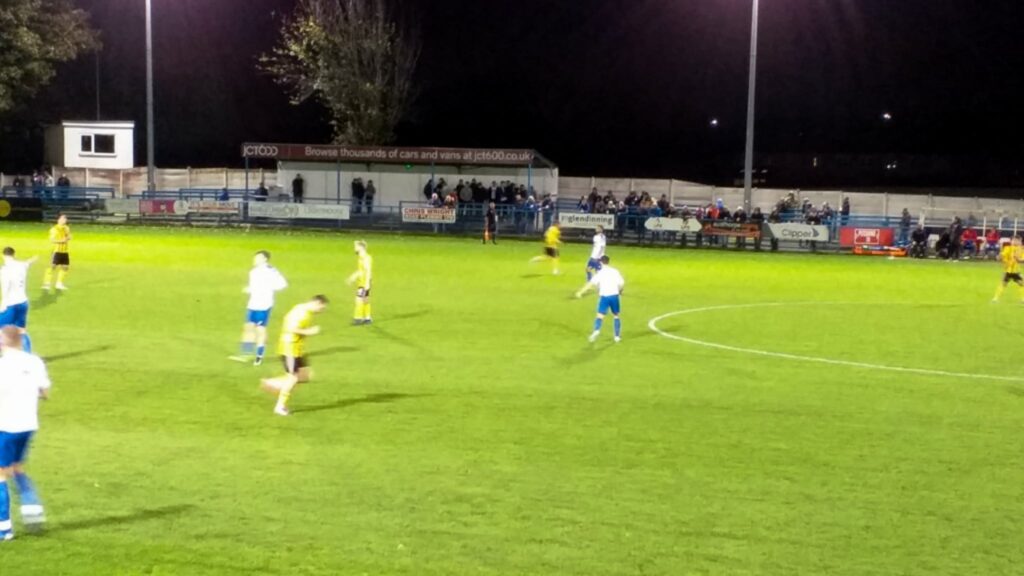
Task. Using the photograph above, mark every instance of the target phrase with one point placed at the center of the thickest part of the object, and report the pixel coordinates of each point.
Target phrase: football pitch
(764, 414)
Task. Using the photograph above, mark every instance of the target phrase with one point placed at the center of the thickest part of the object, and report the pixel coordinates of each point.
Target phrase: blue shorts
(16, 315)
(607, 303)
(593, 264)
(13, 447)
(257, 317)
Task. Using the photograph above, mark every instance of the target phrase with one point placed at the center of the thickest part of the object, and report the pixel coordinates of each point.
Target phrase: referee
(23, 381)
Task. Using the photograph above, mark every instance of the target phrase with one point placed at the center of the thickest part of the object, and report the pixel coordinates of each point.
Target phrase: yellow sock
(366, 311)
(61, 275)
(999, 292)
(357, 312)
(282, 398)
(48, 277)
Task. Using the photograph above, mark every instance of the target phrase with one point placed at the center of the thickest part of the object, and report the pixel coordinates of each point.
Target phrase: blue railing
(58, 192)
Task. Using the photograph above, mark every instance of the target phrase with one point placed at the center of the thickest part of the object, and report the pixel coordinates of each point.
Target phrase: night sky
(603, 87)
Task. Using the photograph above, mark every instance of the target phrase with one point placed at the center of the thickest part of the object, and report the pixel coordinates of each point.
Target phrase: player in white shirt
(609, 284)
(264, 282)
(13, 297)
(23, 381)
(596, 253)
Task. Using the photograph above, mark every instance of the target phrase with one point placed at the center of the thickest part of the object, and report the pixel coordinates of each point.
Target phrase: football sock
(357, 313)
(61, 275)
(48, 277)
(5, 507)
(618, 327)
(26, 491)
(366, 311)
(597, 324)
(282, 398)
(999, 292)
(26, 343)
(589, 275)
(260, 350)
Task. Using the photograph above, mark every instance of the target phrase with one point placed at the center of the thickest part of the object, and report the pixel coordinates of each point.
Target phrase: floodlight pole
(748, 160)
(150, 170)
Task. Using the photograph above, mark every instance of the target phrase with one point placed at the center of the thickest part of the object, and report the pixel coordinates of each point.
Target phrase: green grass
(473, 430)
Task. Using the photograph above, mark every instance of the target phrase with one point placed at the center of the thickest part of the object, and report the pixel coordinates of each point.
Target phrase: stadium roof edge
(395, 154)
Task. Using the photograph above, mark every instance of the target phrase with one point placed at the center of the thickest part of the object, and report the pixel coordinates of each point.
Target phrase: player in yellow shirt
(363, 279)
(60, 237)
(298, 324)
(1011, 256)
(552, 240)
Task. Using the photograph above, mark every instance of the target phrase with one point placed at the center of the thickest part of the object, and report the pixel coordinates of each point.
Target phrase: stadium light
(748, 160)
(150, 170)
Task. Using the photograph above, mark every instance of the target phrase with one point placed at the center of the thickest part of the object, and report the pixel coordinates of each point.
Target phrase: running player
(491, 224)
(552, 240)
(298, 324)
(609, 284)
(264, 281)
(23, 381)
(594, 264)
(13, 297)
(362, 278)
(60, 237)
(1012, 255)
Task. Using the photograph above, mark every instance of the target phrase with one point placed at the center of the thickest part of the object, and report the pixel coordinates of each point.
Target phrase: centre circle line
(653, 325)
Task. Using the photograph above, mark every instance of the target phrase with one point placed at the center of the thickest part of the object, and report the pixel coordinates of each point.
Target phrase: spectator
(757, 217)
(664, 204)
(740, 215)
(224, 195)
(582, 205)
(969, 240)
(992, 239)
(262, 192)
(37, 184)
(531, 213)
(956, 232)
(547, 209)
(358, 194)
(827, 214)
(844, 211)
(724, 214)
(632, 199)
(451, 200)
(919, 242)
(593, 199)
(904, 227)
(435, 200)
(371, 191)
(519, 216)
(298, 189)
(63, 186)
(428, 190)
(19, 186)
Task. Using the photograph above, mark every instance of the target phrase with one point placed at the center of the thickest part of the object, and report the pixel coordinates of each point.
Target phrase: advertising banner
(688, 225)
(392, 154)
(850, 236)
(428, 215)
(732, 230)
(24, 209)
(155, 207)
(212, 207)
(121, 206)
(800, 232)
(284, 211)
(579, 220)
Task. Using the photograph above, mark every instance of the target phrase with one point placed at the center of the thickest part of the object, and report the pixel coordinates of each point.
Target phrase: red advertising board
(731, 230)
(157, 207)
(850, 236)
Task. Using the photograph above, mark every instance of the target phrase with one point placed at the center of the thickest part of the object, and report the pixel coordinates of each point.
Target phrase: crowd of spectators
(41, 185)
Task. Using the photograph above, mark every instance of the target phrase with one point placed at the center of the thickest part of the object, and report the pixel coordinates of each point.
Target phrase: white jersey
(609, 281)
(12, 283)
(22, 377)
(599, 243)
(264, 281)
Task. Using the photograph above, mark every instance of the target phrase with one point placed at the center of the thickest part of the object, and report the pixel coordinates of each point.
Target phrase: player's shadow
(381, 398)
(393, 337)
(588, 354)
(143, 515)
(334, 350)
(530, 275)
(77, 353)
(408, 315)
(45, 299)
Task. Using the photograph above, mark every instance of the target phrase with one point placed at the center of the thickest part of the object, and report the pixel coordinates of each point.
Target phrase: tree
(354, 58)
(35, 36)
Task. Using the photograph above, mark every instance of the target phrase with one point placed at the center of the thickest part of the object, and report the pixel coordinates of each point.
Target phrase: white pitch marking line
(653, 325)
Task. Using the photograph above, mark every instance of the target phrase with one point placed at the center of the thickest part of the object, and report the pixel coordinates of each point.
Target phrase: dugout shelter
(399, 174)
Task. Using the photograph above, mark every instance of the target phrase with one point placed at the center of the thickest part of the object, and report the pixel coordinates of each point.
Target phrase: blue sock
(5, 508)
(247, 347)
(26, 343)
(597, 324)
(589, 275)
(260, 350)
(618, 327)
(26, 491)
